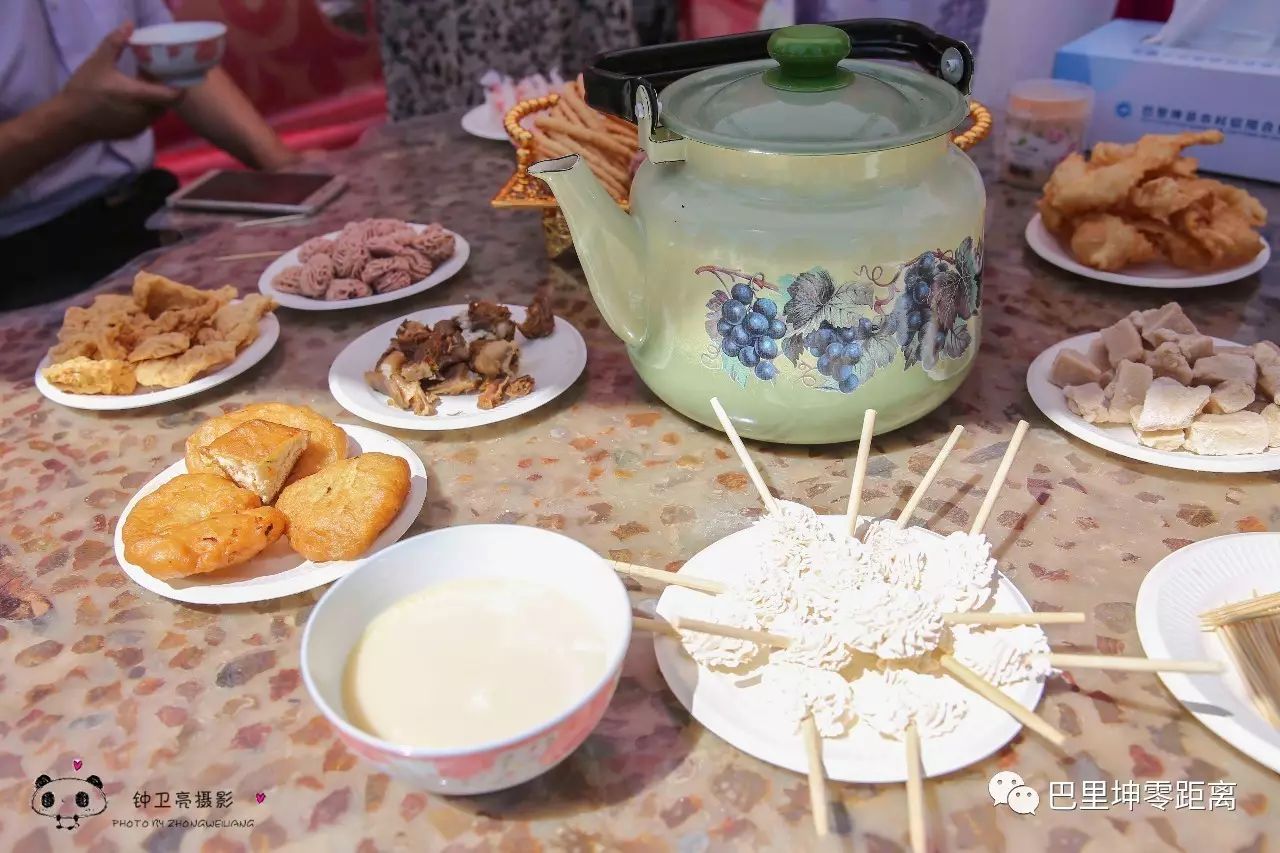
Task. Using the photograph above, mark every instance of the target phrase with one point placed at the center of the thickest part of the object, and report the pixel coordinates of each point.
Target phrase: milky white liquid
(471, 661)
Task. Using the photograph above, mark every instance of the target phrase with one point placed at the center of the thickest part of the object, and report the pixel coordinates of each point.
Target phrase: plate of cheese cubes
(1151, 387)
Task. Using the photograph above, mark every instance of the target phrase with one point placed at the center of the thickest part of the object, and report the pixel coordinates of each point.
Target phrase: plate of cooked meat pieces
(1153, 388)
(367, 262)
(162, 341)
(1139, 214)
(269, 500)
(459, 366)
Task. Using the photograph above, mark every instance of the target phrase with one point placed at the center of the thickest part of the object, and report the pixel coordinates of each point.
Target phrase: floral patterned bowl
(494, 551)
(179, 53)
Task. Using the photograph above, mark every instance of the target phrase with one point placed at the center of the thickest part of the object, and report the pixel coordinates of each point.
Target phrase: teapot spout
(607, 241)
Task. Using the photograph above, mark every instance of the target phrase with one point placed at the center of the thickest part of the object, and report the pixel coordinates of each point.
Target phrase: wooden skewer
(1126, 664)
(817, 777)
(1045, 618)
(995, 696)
(980, 520)
(904, 517)
(752, 472)
(272, 220)
(668, 578)
(764, 638)
(860, 470)
(248, 256)
(915, 791)
(655, 626)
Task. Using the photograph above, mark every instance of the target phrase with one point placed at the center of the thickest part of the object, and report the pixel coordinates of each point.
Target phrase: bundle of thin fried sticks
(1250, 632)
(607, 143)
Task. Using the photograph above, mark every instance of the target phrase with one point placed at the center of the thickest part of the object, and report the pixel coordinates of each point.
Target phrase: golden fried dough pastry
(198, 523)
(237, 322)
(1107, 242)
(258, 455)
(175, 370)
(160, 346)
(326, 443)
(156, 294)
(337, 513)
(81, 375)
(217, 542)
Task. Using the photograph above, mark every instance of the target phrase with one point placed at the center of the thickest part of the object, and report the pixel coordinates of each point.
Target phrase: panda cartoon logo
(69, 799)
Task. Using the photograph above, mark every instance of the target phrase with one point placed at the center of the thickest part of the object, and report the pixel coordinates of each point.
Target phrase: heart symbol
(259, 797)
(77, 763)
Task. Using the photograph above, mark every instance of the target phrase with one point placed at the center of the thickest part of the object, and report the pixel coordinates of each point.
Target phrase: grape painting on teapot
(806, 328)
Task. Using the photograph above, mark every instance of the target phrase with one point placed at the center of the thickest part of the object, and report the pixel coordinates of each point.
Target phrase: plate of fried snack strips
(1139, 214)
(269, 500)
(161, 342)
(459, 366)
(1153, 388)
(366, 263)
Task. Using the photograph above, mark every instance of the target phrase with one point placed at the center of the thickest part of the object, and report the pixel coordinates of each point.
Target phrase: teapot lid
(810, 99)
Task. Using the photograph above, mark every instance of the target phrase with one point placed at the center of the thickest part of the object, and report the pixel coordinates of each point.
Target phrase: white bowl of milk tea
(469, 659)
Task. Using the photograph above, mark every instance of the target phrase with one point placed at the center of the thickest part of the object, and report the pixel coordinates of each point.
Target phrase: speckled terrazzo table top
(153, 696)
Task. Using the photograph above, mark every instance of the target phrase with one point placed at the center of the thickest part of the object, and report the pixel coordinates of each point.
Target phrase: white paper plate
(268, 333)
(461, 251)
(555, 362)
(1156, 274)
(1183, 585)
(739, 716)
(482, 122)
(1120, 438)
(279, 571)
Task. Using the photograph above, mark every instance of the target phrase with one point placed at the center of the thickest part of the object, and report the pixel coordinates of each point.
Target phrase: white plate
(268, 333)
(1156, 274)
(480, 121)
(555, 362)
(1120, 438)
(1183, 585)
(279, 571)
(461, 251)
(739, 715)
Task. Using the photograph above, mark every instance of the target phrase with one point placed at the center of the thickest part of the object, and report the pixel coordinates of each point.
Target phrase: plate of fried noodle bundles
(1140, 214)
(160, 342)
(366, 263)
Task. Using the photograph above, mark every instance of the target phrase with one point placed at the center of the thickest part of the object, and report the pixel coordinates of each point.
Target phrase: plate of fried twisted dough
(368, 262)
(269, 500)
(162, 341)
(1140, 214)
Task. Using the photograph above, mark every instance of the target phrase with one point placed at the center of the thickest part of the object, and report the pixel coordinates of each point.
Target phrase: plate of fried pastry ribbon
(366, 263)
(1140, 214)
(269, 500)
(162, 341)
(459, 366)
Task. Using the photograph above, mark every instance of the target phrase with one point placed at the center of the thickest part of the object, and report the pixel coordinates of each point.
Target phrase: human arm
(98, 102)
(217, 110)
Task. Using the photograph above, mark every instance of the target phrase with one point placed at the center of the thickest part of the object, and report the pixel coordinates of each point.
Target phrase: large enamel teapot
(804, 241)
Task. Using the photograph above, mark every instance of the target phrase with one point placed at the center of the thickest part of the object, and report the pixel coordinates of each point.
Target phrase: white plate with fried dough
(279, 571)
(268, 334)
(555, 362)
(1120, 438)
(1155, 274)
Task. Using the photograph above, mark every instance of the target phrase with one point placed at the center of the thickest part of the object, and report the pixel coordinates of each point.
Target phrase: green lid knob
(808, 57)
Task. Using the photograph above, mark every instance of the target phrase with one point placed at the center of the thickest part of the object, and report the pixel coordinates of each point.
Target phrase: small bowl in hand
(179, 53)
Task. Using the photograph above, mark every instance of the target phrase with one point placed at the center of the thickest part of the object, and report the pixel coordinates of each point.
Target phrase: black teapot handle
(613, 77)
